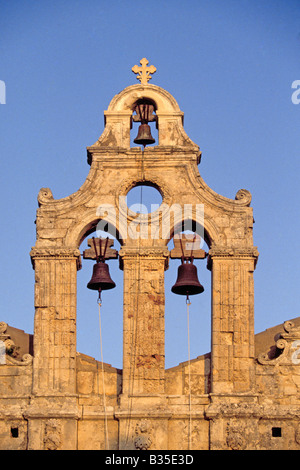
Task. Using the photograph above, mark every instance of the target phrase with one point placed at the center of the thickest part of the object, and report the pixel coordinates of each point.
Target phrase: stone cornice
(151, 154)
(228, 252)
(252, 410)
(55, 252)
(232, 253)
(144, 252)
(153, 252)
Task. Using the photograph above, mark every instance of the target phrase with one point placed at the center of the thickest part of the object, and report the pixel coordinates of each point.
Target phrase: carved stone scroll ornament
(282, 351)
(26, 360)
(243, 196)
(45, 196)
(11, 349)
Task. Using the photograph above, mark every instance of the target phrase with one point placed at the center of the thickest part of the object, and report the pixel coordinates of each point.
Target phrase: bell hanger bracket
(100, 249)
(187, 247)
(144, 109)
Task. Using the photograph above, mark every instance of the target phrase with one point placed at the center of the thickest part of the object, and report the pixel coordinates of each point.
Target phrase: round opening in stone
(143, 199)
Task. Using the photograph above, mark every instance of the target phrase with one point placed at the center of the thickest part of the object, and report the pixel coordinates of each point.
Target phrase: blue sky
(229, 64)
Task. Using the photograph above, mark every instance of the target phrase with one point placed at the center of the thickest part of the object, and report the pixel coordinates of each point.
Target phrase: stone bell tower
(146, 406)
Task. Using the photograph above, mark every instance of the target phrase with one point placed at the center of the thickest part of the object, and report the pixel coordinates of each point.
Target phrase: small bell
(101, 279)
(144, 136)
(187, 280)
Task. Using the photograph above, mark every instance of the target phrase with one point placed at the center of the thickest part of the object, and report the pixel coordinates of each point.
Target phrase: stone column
(232, 368)
(53, 408)
(143, 322)
(55, 320)
(143, 385)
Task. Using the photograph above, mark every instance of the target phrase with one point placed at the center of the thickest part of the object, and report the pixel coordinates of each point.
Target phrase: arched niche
(127, 98)
(200, 309)
(181, 334)
(118, 119)
(100, 331)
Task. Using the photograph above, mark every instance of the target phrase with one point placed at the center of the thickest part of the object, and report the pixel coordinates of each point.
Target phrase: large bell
(187, 280)
(144, 136)
(101, 279)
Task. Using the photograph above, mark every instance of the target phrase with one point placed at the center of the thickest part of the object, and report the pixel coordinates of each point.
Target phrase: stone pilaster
(143, 323)
(232, 319)
(55, 321)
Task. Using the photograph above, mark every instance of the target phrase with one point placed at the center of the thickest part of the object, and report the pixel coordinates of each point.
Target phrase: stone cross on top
(144, 71)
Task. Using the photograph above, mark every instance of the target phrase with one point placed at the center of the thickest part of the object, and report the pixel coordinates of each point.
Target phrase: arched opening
(111, 314)
(183, 334)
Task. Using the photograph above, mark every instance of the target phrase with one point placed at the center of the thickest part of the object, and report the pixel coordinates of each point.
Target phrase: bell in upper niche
(144, 136)
(144, 113)
(187, 280)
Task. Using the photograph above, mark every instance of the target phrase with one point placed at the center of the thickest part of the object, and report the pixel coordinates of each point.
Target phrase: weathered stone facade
(242, 395)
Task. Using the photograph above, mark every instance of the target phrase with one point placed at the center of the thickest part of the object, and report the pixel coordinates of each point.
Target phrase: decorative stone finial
(144, 71)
